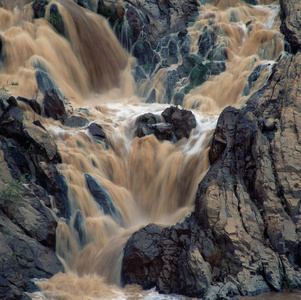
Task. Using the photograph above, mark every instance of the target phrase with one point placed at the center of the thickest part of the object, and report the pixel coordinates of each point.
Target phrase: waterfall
(141, 180)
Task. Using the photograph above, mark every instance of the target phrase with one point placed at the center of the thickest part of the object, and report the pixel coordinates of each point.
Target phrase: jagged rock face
(27, 225)
(247, 207)
(291, 23)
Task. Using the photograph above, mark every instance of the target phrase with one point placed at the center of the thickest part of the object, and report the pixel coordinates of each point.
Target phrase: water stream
(148, 180)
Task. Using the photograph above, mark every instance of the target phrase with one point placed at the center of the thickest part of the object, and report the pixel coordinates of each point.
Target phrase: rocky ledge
(244, 235)
(29, 183)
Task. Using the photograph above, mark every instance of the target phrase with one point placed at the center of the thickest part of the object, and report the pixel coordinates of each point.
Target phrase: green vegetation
(55, 19)
(109, 13)
(188, 88)
(12, 188)
(198, 74)
(147, 67)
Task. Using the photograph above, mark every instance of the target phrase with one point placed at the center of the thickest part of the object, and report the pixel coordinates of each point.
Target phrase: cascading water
(148, 180)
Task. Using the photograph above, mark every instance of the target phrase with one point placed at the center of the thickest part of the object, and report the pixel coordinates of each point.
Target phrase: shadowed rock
(182, 120)
(103, 199)
(76, 121)
(54, 106)
(98, 134)
(291, 23)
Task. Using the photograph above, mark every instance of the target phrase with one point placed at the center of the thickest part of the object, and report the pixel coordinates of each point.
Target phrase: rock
(23, 258)
(143, 52)
(178, 98)
(210, 47)
(145, 124)
(139, 75)
(79, 226)
(29, 150)
(88, 4)
(38, 7)
(33, 103)
(135, 22)
(152, 97)
(291, 23)
(170, 82)
(76, 121)
(163, 18)
(98, 134)
(189, 61)
(46, 82)
(103, 199)
(246, 223)
(254, 76)
(54, 106)
(178, 124)
(182, 120)
(164, 132)
(41, 139)
(164, 258)
(56, 20)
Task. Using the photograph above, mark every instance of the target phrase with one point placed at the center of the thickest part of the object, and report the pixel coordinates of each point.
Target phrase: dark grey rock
(46, 82)
(152, 97)
(76, 121)
(98, 134)
(79, 226)
(38, 7)
(171, 79)
(103, 199)
(54, 106)
(145, 124)
(182, 120)
(32, 103)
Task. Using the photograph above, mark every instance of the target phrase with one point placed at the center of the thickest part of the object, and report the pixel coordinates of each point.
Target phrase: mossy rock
(56, 20)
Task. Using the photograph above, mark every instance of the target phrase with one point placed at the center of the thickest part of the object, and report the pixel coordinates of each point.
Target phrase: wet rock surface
(174, 124)
(246, 222)
(291, 23)
(27, 225)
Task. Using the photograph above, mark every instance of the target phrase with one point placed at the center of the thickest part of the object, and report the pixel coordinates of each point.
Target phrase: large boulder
(182, 120)
(178, 124)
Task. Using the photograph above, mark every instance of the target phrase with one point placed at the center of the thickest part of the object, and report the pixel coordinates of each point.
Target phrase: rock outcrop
(27, 225)
(246, 222)
(291, 23)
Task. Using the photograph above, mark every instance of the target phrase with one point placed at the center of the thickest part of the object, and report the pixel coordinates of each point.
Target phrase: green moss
(198, 74)
(188, 88)
(147, 67)
(109, 13)
(55, 19)
(118, 27)
(12, 188)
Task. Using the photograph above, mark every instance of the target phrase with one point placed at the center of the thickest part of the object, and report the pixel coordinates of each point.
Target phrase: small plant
(12, 188)
(198, 74)
(147, 67)
(4, 89)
